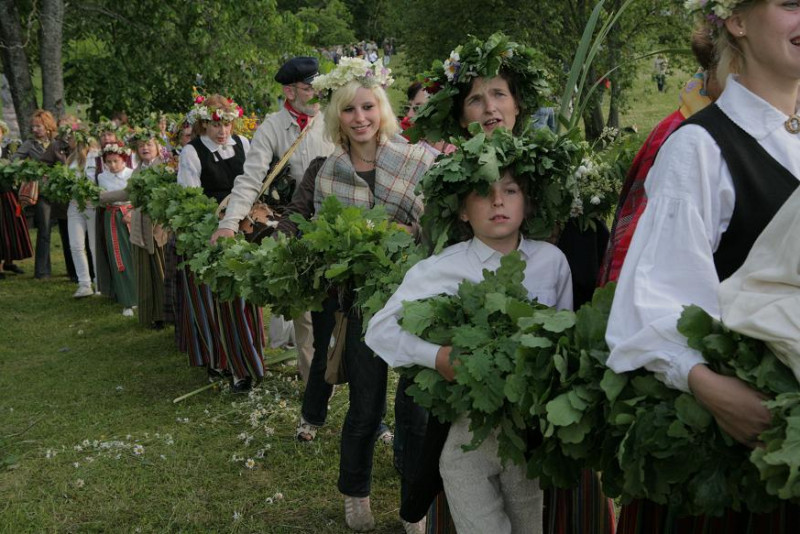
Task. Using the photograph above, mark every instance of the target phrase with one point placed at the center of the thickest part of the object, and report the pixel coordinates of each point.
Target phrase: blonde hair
(729, 54)
(78, 156)
(342, 97)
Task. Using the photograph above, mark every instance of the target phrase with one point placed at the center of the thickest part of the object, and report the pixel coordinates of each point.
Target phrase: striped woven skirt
(149, 284)
(171, 283)
(581, 510)
(645, 517)
(15, 243)
(120, 257)
(198, 323)
(242, 337)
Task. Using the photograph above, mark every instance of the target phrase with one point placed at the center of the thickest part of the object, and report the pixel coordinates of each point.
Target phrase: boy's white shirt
(547, 278)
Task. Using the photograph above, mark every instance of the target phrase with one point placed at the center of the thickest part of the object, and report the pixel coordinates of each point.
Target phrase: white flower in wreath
(451, 65)
(595, 200)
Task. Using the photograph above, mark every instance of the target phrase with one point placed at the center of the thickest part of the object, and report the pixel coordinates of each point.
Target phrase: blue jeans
(366, 374)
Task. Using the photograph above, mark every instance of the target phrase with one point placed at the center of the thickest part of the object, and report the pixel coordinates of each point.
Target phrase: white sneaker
(357, 514)
(415, 528)
(83, 291)
(127, 312)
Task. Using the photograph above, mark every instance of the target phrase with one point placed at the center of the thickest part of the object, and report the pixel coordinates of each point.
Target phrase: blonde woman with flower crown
(716, 183)
(370, 165)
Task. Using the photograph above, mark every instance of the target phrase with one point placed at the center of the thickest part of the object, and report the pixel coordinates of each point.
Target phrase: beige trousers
(483, 495)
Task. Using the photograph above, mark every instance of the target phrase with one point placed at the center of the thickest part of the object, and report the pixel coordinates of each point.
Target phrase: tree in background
(146, 56)
(327, 23)
(15, 40)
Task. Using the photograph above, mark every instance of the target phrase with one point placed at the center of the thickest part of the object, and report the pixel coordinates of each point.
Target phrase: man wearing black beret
(270, 142)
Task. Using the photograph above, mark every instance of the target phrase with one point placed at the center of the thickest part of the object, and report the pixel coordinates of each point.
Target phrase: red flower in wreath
(215, 116)
(432, 87)
(200, 99)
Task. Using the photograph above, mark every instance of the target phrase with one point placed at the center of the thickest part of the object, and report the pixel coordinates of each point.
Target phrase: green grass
(646, 106)
(82, 386)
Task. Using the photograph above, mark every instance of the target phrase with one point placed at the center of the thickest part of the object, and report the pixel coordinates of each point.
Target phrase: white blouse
(114, 182)
(670, 262)
(547, 278)
(189, 165)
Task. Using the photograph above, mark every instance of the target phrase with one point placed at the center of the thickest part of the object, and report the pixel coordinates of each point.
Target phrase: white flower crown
(202, 112)
(116, 149)
(714, 11)
(352, 69)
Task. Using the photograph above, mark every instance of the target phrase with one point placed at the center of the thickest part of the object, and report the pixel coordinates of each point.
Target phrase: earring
(741, 33)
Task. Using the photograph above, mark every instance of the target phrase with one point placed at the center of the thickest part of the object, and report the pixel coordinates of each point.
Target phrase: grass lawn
(91, 441)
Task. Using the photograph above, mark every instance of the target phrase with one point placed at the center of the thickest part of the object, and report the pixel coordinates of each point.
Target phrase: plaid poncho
(398, 168)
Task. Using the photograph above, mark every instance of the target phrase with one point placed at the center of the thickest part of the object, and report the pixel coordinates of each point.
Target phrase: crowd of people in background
(367, 50)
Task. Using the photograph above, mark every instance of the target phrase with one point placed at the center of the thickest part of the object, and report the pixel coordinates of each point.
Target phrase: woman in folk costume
(15, 243)
(370, 165)
(115, 225)
(105, 132)
(715, 185)
(147, 241)
(497, 84)
(226, 337)
(81, 223)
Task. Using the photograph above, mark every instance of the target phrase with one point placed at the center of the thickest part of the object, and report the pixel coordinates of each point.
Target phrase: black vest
(761, 186)
(217, 174)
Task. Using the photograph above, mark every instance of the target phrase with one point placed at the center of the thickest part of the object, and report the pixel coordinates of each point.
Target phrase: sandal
(384, 434)
(305, 431)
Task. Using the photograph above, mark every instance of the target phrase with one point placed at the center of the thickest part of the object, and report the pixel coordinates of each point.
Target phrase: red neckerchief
(301, 118)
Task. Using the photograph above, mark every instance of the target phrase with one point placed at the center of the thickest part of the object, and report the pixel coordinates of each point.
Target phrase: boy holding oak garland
(483, 494)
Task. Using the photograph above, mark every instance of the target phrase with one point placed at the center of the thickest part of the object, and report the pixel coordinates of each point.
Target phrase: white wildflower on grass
(237, 516)
(76, 465)
(269, 500)
(50, 454)
(250, 463)
(138, 450)
(279, 496)
(79, 483)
